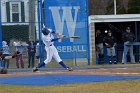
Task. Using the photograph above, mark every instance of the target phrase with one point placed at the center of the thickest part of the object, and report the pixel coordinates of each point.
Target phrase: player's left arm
(54, 32)
(12, 56)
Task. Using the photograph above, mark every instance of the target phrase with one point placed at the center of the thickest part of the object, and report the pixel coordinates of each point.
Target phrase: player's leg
(114, 55)
(1, 63)
(132, 55)
(4, 63)
(49, 55)
(33, 59)
(109, 55)
(59, 60)
(49, 58)
(124, 58)
(101, 49)
(21, 61)
(29, 59)
(17, 61)
(7, 65)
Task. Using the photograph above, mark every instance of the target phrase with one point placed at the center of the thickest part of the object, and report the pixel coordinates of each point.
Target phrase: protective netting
(20, 21)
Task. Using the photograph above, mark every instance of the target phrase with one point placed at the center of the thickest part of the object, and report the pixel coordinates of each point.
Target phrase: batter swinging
(48, 40)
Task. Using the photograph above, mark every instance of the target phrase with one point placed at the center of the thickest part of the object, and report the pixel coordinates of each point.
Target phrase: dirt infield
(95, 71)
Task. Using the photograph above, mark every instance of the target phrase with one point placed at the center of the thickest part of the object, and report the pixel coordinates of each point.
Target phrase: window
(15, 13)
(15, 8)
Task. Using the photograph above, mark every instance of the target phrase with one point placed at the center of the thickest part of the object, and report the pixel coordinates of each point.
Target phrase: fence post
(0, 28)
(41, 46)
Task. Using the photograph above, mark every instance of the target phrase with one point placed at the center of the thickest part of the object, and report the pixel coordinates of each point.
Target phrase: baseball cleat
(69, 69)
(35, 70)
(110, 62)
(115, 62)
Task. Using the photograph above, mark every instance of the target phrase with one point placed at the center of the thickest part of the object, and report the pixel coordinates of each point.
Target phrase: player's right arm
(59, 37)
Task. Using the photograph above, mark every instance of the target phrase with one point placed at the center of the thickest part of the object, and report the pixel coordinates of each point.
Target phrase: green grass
(121, 86)
(52, 64)
(118, 86)
(69, 62)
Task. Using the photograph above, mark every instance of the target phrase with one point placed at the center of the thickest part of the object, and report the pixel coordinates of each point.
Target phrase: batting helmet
(3, 71)
(45, 31)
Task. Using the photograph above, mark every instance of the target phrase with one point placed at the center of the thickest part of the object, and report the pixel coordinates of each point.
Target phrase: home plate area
(59, 76)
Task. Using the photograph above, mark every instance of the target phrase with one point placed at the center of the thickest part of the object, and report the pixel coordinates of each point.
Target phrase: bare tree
(102, 7)
(134, 7)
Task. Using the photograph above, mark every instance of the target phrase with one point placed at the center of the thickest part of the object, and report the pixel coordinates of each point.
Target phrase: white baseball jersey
(50, 48)
(47, 39)
(5, 48)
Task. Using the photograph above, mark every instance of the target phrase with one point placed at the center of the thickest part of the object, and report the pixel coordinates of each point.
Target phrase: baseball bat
(71, 36)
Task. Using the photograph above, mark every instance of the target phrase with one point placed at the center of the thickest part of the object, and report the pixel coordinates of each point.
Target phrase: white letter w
(65, 15)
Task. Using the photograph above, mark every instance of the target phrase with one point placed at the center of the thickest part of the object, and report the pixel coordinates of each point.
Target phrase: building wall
(26, 9)
(26, 13)
(3, 10)
(3, 7)
(92, 43)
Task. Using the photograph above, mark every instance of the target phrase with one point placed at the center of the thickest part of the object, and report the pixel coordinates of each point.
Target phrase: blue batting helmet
(45, 31)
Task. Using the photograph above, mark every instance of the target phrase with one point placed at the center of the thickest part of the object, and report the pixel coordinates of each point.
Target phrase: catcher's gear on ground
(3, 71)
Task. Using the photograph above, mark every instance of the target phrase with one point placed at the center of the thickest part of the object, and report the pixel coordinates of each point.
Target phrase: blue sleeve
(55, 39)
(53, 32)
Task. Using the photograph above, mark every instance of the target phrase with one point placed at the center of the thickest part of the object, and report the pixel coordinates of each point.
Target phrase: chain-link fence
(20, 20)
(18, 24)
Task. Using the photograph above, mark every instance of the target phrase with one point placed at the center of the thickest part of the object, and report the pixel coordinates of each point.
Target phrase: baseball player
(48, 39)
(5, 52)
(128, 37)
(99, 44)
(109, 41)
(3, 57)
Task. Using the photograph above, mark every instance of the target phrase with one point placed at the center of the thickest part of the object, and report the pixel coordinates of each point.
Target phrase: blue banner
(70, 18)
